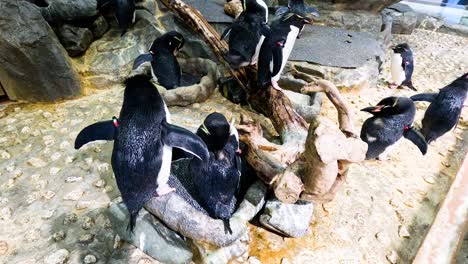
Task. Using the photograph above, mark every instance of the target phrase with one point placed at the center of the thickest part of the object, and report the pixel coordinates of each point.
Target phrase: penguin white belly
(264, 5)
(398, 73)
(257, 51)
(290, 40)
(165, 171)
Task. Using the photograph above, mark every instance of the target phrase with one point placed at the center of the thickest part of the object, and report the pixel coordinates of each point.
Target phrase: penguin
(246, 34)
(392, 119)
(444, 111)
(143, 141)
(277, 47)
(402, 66)
(125, 12)
(165, 68)
(217, 181)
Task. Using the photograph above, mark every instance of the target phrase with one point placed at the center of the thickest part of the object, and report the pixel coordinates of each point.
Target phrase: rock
(48, 195)
(428, 23)
(28, 52)
(99, 27)
(70, 11)
(392, 257)
(382, 237)
(4, 155)
(99, 183)
(80, 205)
(5, 213)
(89, 259)
(352, 20)
(73, 179)
(88, 223)
(289, 219)
(403, 232)
(54, 170)
(404, 18)
(253, 260)
(306, 106)
(58, 257)
(233, 8)
(458, 30)
(3, 248)
(86, 239)
(223, 255)
(151, 236)
(37, 162)
(59, 236)
(213, 11)
(73, 196)
(70, 218)
(368, 5)
(75, 40)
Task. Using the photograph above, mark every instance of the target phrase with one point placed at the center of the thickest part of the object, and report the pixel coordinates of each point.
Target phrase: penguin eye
(170, 43)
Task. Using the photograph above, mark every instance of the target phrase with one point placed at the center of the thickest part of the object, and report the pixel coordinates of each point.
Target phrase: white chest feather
(164, 172)
(262, 3)
(257, 50)
(290, 40)
(398, 73)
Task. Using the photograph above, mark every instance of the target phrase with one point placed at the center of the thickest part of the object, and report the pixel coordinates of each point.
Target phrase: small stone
(117, 242)
(73, 179)
(285, 261)
(25, 130)
(3, 201)
(59, 257)
(451, 149)
(70, 218)
(37, 162)
(46, 115)
(88, 222)
(31, 198)
(58, 236)
(144, 261)
(429, 179)
(10, 168)
(99, 183)
(392, 257)
(48, 140)
(54, 170)
(74, 195)
(89, 259)
(3, 248)
(253, 260)
(403, 232)
(4, 154)
(64, 145)
(69, 159)
(81, 205)
(48, 195)
(55, 156)
(86, 239)
(382, 237)
(400, 217)
(89, 161)
(103, 167)
(48, 214)
(446, 164)
(108, 189)
(409, 203)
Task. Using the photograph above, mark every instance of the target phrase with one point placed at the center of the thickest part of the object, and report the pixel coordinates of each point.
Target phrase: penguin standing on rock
(164, 65)
(392, 119)
(143, 141)
(217, 181)
(402, 66)
(246, 34)
(125, 12)
(445, 108)
(277, 47)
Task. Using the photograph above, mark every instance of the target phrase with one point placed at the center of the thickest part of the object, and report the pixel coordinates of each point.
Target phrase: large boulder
(75, 40)
(59, 11)
(403, 17)
(35, 66)
(367, 5)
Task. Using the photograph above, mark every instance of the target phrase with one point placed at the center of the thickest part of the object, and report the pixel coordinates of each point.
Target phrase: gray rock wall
(34, 65)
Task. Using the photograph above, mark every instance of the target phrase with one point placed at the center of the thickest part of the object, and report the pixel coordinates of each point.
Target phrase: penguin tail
(227, 226)
(417, 138)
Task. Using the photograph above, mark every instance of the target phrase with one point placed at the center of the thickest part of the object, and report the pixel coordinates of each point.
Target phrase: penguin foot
(163, 190)
(393, 86)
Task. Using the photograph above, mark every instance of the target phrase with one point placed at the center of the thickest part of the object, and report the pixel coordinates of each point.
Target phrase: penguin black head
(215, 131)
(299, 7)
(391, 106)
(172, 41)
(461, 81)
(140, 92)
(402, 48)
(295, 19)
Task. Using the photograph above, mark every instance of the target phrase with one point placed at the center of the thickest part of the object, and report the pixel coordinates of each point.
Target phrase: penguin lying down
(392, 119)
(143, 141)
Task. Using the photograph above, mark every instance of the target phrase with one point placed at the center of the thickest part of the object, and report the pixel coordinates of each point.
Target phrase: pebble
(32, 197)
(4, 155)
(144, 261)
(64, 145)
(81, 205)
(382, 237)
(403, 232)
(58, 236)
(89, 259)
(26, 130)
(37, 162)
(3, 248)
(69, 159)
(48, 140)
(74, 195)
(285, 261)
(48, 195)
(48, 214)
(46, 115)
(392, 257)
(89, 161)
(35, 177)
(70, 218)
(253, 260)
(446, 164)
(409, 203)
(103, 167)
(86, 239)
(73, 179)
(108, 189)
(3, 201)
(58, 257)
(88, 222)
(429, 179)
(117, 242)
(54, 170)
(55, 156)
(99, 183)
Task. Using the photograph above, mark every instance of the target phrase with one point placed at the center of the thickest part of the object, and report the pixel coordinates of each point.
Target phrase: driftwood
(280, 165)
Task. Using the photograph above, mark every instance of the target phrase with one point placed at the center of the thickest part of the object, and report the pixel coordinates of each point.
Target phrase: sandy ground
(53, 197)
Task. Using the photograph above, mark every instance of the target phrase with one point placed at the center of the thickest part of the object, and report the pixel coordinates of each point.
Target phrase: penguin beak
(373, 109)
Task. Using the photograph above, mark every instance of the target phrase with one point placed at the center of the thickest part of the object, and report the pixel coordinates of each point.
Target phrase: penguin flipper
(181, 138)
(418, 139)
(227, 226)
(426, 97)
(104, 130)
(277, 53)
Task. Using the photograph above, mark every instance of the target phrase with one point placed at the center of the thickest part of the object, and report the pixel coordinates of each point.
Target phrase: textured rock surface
(35, 66)
(74, 39)
(289, 219)
(99, 27)
(403, 17)
(66, 10)
(368, 5)
(355, 20)
(151, 236)
(224, 255)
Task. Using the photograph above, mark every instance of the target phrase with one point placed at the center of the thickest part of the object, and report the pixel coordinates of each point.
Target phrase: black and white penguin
(392, 119)
(445, 108)
(164, 65)
(143, 141)
(218, 180)
(246, 34)
(298, 7)
(125, 12)
(277, 47)
(402, 66)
